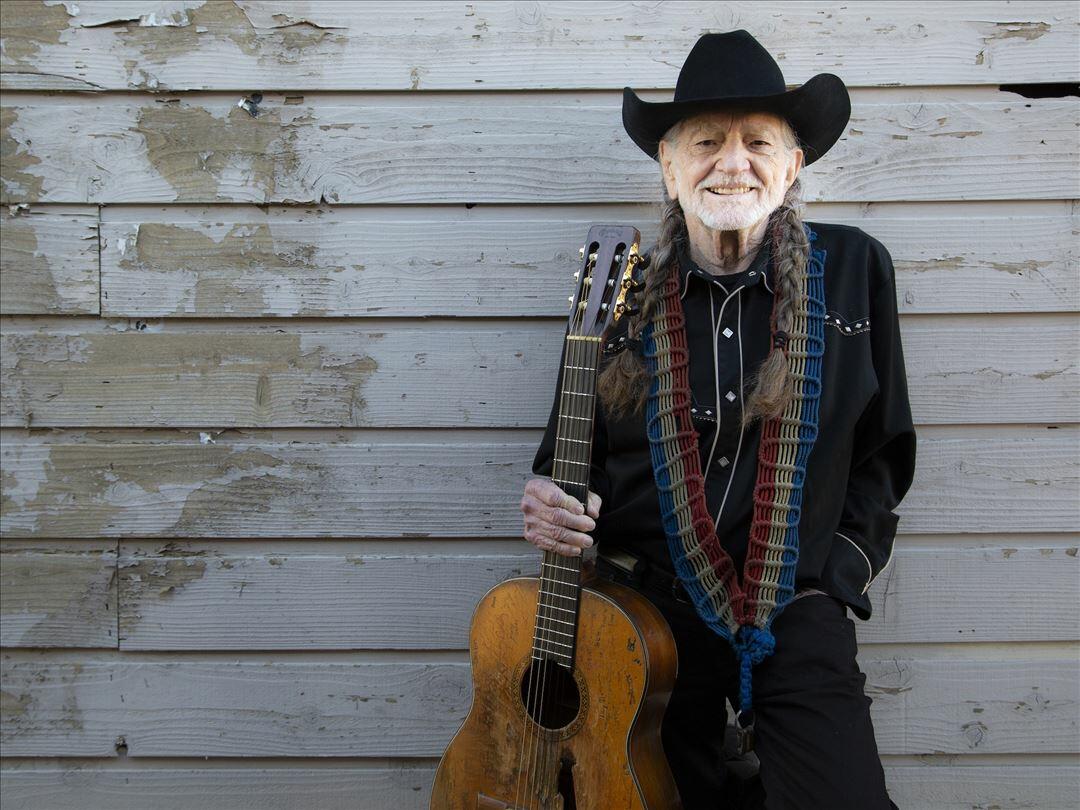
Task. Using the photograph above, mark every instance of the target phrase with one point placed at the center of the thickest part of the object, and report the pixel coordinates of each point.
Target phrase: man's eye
(764, 142)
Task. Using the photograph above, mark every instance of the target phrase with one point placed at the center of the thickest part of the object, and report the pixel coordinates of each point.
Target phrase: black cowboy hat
(734, 69)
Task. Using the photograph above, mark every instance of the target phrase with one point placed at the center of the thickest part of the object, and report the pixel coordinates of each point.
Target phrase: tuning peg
(581, 252)
(577, 274)
(571, 300)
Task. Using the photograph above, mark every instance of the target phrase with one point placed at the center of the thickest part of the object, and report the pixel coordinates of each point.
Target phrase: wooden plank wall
(283, 293)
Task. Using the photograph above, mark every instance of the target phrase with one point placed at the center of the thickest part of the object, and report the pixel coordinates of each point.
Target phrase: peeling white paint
(163, 13)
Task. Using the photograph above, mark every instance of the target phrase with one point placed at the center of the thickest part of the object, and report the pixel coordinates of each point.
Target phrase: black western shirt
(862, 461)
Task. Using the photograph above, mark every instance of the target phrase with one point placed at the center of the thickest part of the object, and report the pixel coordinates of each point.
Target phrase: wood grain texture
(58, 594)
(933, 786)
(486, 45)
(967, 480)
(48, 262)
(211, 151)
(215, 596)
(283, 708)
(329, 262)
(1002, 369)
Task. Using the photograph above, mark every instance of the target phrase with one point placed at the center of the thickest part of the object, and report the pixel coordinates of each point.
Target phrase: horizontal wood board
(326, 45)
(327, 263)
(211, 151)
(998, 370)
(966, 480)
(931, 786)
(301, 708)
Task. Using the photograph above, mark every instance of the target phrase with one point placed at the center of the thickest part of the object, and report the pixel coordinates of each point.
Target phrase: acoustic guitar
(571, 674)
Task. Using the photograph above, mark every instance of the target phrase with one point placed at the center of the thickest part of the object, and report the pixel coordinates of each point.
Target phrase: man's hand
(555, 521)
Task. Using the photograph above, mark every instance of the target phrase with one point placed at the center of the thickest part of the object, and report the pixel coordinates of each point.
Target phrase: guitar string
(532, 711)
(570, 389)
(585, 382)
(534, 706)
(562, 586)
(524, 782)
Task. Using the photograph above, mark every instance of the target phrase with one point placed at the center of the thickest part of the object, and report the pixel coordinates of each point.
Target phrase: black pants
(813, 734)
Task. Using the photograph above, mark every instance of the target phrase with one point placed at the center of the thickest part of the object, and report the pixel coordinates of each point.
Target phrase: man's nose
(733, 157)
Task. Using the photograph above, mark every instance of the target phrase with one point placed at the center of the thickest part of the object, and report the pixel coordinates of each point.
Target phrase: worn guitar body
(596, 748)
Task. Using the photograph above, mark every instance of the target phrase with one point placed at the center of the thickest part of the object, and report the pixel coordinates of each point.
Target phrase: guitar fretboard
(554, 636)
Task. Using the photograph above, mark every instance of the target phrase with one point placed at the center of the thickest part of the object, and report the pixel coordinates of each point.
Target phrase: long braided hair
(623, 385)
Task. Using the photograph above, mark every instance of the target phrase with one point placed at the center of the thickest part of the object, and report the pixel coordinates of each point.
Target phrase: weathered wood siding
(283, 291)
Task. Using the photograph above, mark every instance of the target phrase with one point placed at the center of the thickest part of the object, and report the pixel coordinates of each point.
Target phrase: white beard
(721, 214)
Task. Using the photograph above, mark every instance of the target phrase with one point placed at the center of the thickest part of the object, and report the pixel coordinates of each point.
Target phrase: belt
(623, 567)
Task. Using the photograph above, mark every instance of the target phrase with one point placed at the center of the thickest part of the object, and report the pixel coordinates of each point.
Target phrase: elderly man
(752, 438)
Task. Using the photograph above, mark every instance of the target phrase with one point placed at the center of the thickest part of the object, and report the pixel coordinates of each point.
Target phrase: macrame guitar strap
(742, 613)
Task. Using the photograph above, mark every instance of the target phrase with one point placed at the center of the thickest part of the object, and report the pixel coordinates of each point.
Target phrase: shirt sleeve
(883, 449)
(544, 461)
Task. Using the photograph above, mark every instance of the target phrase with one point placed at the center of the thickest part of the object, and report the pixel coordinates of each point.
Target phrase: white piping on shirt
(685, 284)
(716, 371)
(892, 549)
(742, 410)
(866, 559)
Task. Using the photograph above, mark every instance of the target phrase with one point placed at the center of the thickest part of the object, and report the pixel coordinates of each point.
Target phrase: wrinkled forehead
(734, 119)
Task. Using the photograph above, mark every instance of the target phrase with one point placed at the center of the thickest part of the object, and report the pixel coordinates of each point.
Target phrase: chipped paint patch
(155, 575)
(1017, 30)
(56, 598)
(173, 378)
(198, 153)
(41, 698)
(243, 254)
(26, 32)
(167, 491)
(16, 159)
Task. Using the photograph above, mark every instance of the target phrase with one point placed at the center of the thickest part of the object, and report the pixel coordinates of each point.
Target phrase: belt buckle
(626, 566)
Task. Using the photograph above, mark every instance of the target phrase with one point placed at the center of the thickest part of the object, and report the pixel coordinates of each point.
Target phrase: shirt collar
(758, 274)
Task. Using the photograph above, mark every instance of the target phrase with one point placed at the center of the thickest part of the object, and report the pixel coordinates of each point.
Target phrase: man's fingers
(563, 500)
(562, 534)
(594, 505)
(560, 517)
(555, 516)
(552, 494)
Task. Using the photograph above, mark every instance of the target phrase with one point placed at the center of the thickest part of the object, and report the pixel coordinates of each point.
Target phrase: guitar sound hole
(550, 694)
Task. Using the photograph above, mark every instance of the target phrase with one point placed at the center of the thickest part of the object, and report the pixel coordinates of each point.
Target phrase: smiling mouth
(734, 191)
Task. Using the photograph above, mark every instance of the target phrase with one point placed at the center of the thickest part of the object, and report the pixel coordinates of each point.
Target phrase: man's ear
(669, 174)
(793, 171)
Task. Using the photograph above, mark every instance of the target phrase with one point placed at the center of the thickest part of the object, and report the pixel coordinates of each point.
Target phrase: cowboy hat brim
(819, 111)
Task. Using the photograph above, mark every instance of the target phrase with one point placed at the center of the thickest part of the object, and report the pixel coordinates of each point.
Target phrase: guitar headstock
(605, 279)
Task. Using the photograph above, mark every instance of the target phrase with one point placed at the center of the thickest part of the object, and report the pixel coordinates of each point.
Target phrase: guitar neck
(560, 576)
(577, 407)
